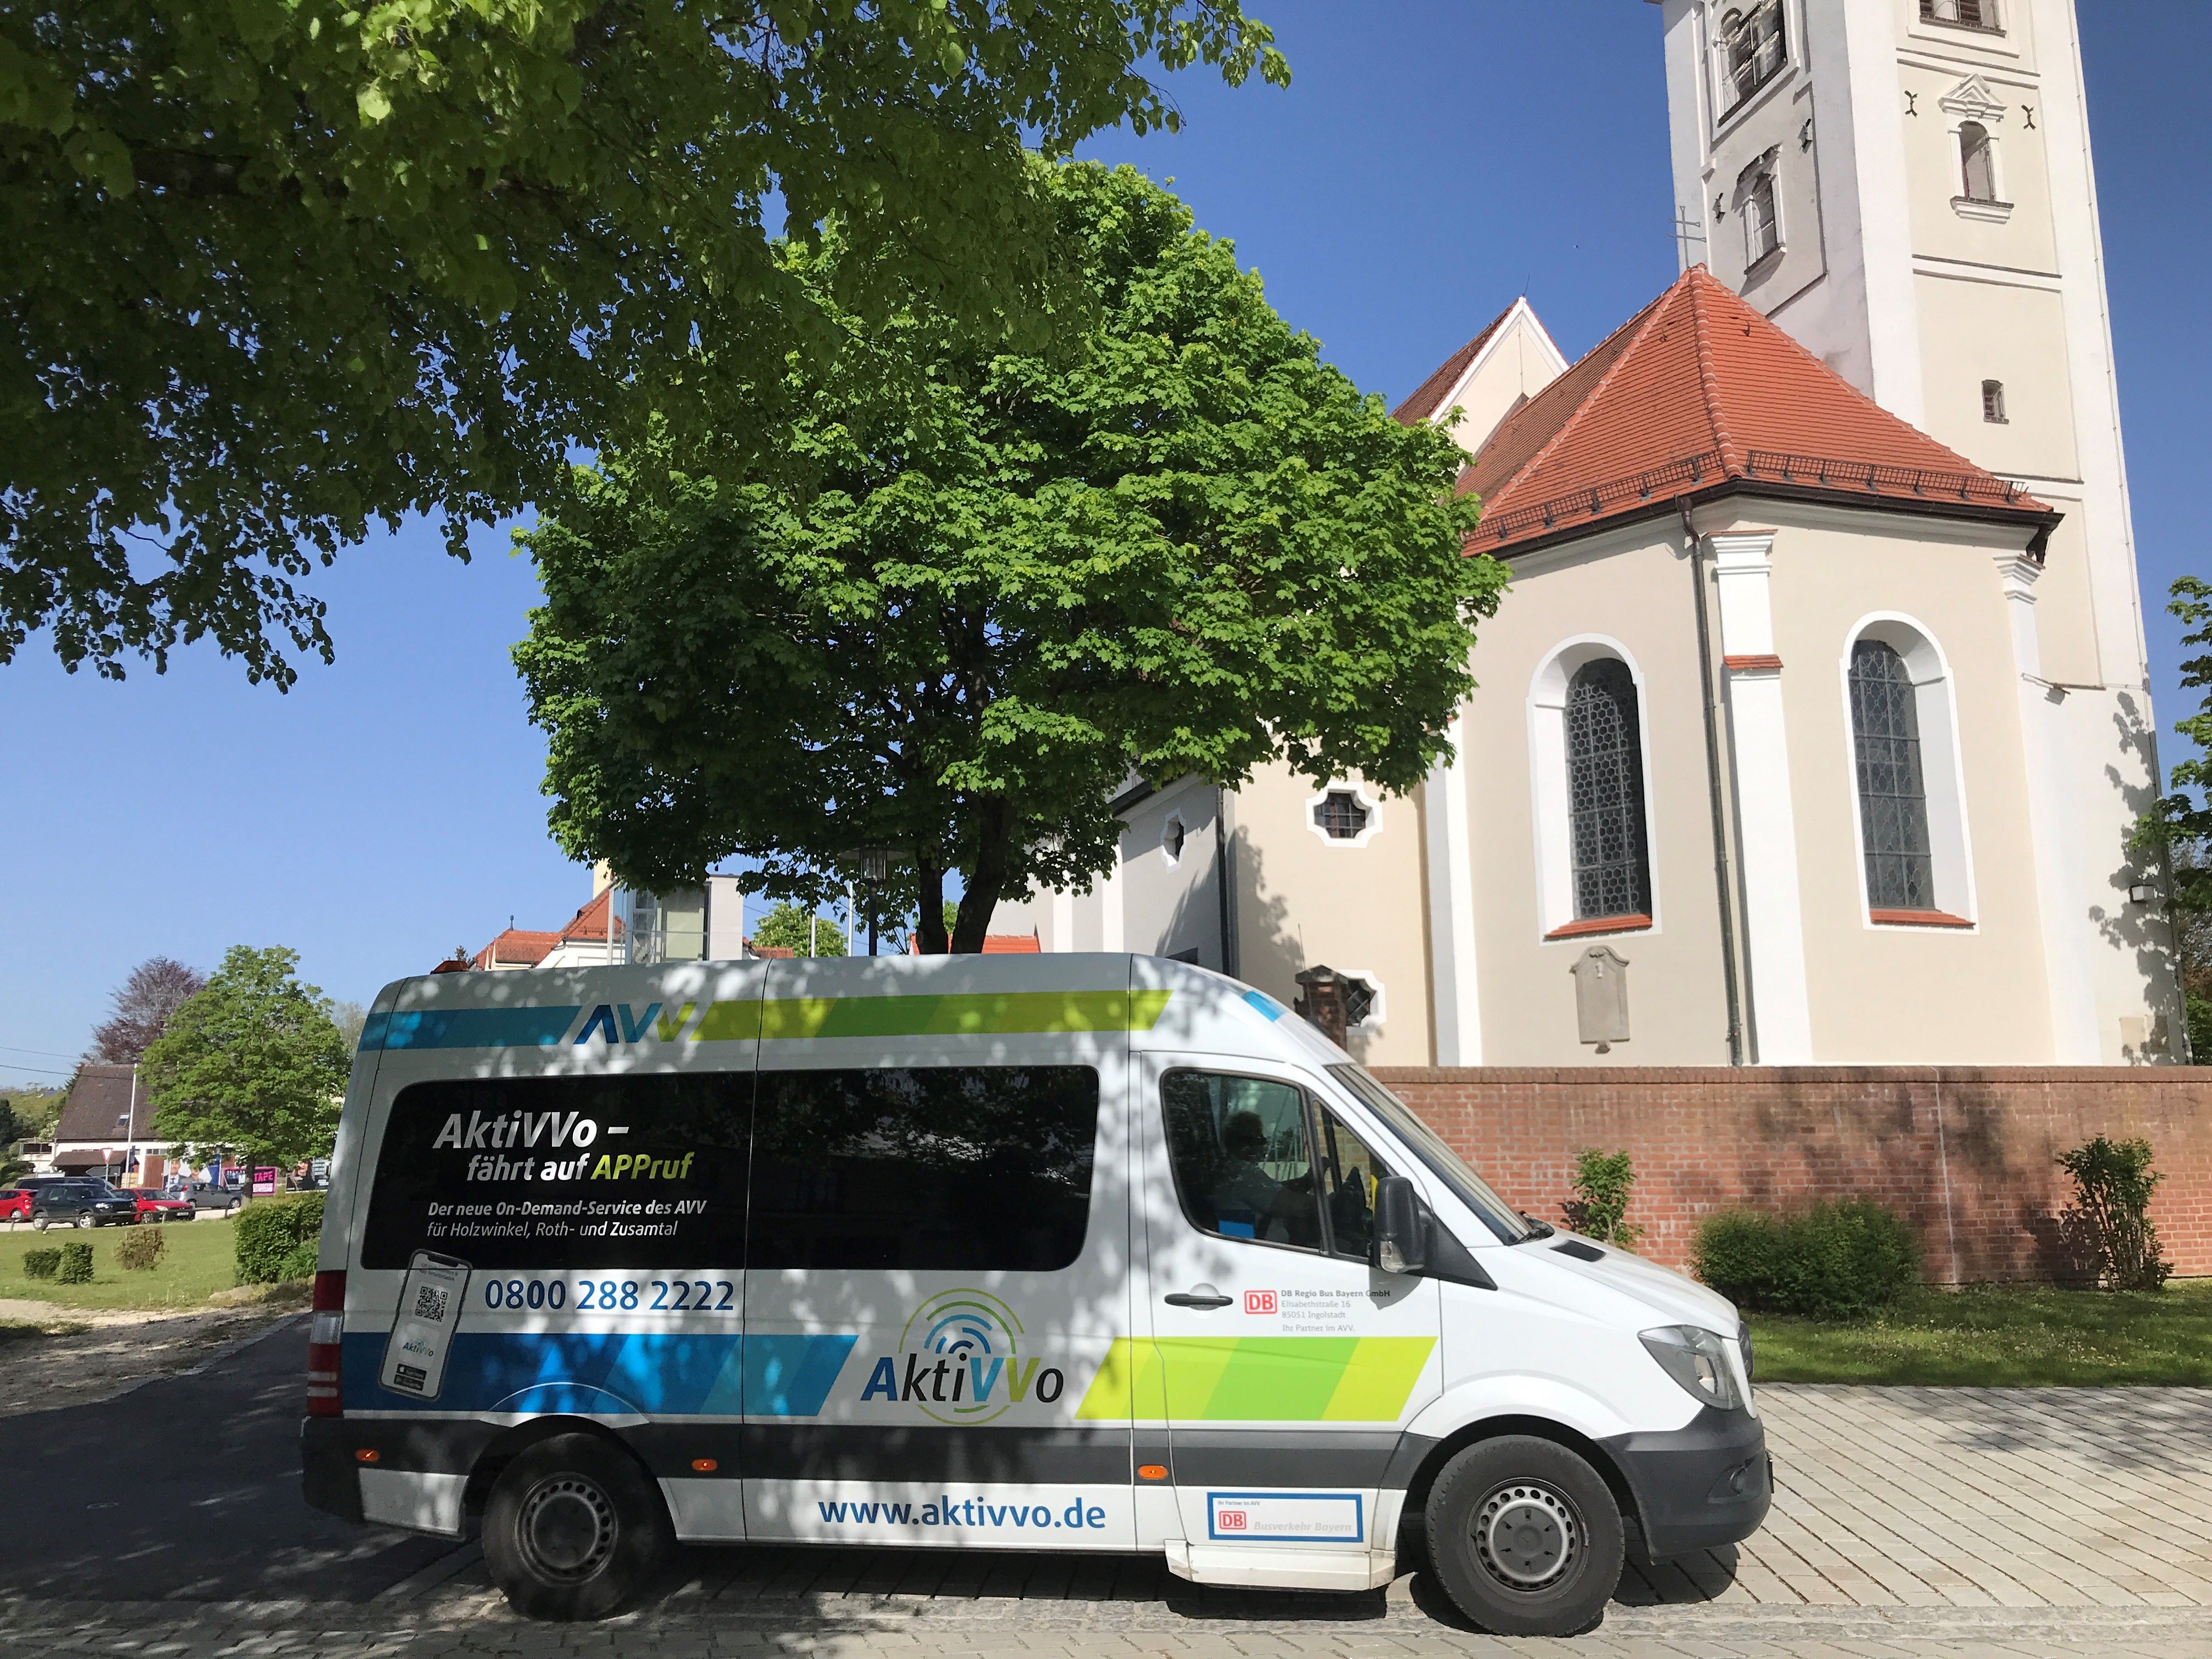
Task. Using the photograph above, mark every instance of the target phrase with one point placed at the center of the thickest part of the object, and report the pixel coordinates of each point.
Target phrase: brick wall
(1965, 1153)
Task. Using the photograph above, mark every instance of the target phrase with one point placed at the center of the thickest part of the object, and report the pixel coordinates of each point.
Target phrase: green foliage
(278, 270)
(1604, 1183)
(2200, 1029)
(12, 1129)
(1172, 539)
(36, 1112)
(41, 1264)
(275, 1238)
(141, 1248)
(793, 927)
(2183, 819)
(2109, 1223)
(253, 1063)
(75, 1263)
(1835, 1261)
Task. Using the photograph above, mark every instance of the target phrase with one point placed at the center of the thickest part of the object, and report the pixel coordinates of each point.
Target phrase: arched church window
(1750, 49)
(1605, 792)
(1967, 14)
(1893, 789)
(1978, 162)
(1762, 230)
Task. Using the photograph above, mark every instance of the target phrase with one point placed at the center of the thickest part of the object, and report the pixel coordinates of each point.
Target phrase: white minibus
(1084, 1253)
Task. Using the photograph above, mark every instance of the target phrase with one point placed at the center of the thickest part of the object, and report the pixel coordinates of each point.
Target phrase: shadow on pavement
(186, 1488)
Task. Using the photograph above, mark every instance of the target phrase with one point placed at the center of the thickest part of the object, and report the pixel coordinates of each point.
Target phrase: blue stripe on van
(614, 1373)
(1266, 1003)
(469, 1027)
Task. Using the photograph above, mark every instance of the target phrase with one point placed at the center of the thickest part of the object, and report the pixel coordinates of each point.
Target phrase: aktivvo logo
(960, 1359)
(618, 1022)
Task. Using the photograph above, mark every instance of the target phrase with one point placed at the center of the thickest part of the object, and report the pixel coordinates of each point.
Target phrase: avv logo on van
(960, 1359)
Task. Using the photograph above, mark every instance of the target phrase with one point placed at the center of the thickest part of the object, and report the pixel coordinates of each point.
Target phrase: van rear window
(551, 1173)
(966, 1169)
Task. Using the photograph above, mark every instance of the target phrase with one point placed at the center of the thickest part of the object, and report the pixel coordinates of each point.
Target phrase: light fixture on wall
(2142, 893)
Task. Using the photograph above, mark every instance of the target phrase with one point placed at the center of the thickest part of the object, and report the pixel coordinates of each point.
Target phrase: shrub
(141, 1248)
(77, 1263)
(1603, 1182)
(267, 1237)
(41, 1264)
(2109, 1221)
(1836, 1261)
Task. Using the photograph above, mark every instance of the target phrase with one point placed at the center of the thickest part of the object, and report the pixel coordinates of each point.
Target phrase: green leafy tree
(1173, 541)
(792, 928)
(12, 1129)
(1604, 1183)
(2179, 827)
(254, 1064)
(280, 270)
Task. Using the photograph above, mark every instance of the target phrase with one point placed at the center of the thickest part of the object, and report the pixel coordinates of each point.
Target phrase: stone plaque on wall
(1602, 994)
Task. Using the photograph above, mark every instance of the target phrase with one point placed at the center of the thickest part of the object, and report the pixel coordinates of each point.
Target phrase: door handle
(1204, 1297)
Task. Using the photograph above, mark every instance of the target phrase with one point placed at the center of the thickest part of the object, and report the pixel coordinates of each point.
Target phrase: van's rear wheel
(1525, 1536)
(573, 1529)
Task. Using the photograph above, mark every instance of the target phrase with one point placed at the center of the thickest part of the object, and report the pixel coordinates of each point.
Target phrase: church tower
(1905, 187)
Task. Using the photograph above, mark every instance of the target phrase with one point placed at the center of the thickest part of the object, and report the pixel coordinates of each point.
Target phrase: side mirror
(1401, 1231)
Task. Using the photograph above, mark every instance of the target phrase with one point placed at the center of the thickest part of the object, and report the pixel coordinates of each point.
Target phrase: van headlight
(1698, 1359)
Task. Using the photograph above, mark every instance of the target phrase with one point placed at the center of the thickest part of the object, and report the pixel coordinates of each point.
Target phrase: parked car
(154, 1205)
(82, 1203)
(14, 1204)
(206, 1196)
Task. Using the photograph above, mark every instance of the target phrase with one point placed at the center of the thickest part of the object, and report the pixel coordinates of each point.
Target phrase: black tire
(40, 1223)
(573, 1529)
(83, 1218)
(1525, 1537)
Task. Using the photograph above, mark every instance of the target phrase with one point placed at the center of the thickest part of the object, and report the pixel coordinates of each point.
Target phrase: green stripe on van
(989, 1014)
(1258, 1379)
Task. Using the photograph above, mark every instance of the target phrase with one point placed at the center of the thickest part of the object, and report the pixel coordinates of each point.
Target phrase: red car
(154, 1205)
(14, 1204)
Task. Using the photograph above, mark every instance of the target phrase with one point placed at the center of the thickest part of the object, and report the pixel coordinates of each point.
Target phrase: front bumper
(1708, 1483)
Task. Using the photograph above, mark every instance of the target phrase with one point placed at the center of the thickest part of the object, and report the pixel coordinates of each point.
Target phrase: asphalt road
(186, 1488)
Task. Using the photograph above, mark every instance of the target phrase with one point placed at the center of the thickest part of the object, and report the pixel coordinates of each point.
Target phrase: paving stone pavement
(1908, 1524)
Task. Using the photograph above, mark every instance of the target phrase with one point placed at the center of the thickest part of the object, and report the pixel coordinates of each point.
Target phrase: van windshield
(1447, 1165)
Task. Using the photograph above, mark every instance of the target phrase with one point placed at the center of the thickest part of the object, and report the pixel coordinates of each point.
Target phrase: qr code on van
(430, 1303)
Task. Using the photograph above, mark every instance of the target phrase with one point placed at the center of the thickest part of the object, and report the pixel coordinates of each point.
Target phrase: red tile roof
(1696, 389)
(517, 946)
(994, 944)
(1429, 397)
(590, 921)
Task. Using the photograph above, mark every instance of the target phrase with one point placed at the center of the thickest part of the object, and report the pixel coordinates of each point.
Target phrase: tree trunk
(930, 877)
(993, 843)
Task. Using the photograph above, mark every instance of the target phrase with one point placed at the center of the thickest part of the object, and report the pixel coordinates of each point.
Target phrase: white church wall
(1633, 586)
(1896, 994)
(1973, 332)
(1357, 905)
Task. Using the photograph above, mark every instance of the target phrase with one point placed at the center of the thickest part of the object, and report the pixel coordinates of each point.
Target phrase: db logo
(1233, 1520)
(1257, 1301)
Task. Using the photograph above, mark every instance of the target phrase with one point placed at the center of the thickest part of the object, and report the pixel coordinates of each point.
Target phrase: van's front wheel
(1525, 1536)
(573, 1529)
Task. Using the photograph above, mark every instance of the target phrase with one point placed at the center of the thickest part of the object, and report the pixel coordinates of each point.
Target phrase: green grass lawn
(2004, 1336)
(196, 1264)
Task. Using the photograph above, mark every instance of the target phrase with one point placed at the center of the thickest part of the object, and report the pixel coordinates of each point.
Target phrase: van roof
(1162, 1004)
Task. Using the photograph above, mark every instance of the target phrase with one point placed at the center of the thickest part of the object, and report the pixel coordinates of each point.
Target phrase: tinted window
(556, 1173)
(966, 1169)
(1243, 1161)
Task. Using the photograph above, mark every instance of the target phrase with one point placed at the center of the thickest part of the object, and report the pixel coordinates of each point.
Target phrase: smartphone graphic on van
(421, 1336)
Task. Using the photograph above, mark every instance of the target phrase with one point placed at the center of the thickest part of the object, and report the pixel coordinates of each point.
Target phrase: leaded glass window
(1605, 792)
(1892, 798)
(1339, 816)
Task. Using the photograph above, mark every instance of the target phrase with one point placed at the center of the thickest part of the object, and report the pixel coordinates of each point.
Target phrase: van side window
(1243, 1161)
(644, 1171)
(957, 1169)
(1348, 1174)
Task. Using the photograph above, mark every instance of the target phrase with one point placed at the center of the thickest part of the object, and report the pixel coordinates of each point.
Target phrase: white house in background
(1817, 717)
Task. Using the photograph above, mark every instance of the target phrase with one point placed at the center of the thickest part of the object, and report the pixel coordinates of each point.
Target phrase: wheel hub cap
(568, 1527)
(1526, 1536)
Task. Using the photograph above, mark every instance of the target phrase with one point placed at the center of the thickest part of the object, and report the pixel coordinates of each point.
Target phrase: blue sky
(1430, 162)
